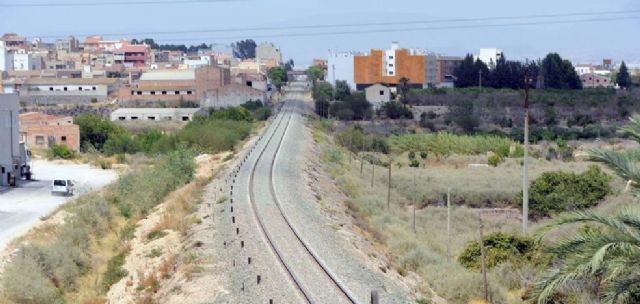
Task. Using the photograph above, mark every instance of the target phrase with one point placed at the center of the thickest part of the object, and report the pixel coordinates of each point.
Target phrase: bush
(61, 151)
(494, 160)
(499, 248)
(558, 191)
(95, 130)
(24, 282)
(119, 143)
(396, 110)
(233, 113)
(114, 272)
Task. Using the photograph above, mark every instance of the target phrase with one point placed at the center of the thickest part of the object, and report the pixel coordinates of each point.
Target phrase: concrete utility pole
(483, 262)
(449, 225)
(480, 79)
(525, 164)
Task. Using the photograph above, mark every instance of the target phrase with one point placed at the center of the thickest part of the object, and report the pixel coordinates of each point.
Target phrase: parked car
(62, 186)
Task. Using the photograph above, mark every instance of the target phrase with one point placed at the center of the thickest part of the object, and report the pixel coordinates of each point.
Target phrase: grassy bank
(90, 237)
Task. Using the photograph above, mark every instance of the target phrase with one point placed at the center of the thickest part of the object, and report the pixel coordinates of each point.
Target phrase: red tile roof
(93, 39)
(132, 48)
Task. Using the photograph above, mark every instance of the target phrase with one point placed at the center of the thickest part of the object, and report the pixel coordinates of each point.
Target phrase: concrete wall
(66, 90)
(231, 96)
(377, 94)
(9, 137)
(159, 114)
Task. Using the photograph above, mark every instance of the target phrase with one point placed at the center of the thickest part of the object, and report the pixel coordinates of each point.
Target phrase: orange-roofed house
(40, 130)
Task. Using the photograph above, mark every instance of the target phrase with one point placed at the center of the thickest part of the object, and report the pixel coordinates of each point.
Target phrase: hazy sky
(578, 41)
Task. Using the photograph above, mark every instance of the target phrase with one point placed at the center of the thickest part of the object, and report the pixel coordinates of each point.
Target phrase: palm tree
(608, 257)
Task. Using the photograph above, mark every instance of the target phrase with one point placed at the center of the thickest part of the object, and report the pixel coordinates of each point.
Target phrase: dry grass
(425, 252)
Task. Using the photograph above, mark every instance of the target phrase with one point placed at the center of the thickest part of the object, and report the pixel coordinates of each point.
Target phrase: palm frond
(632, 129)
(620, 163)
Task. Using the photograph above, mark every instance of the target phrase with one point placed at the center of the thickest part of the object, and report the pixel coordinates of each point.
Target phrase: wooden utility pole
(373, 169)
(415, 194)
(364, 139)
(449, 225)
(389, 186)
(483, 262)
(525, 163)
(480, 79)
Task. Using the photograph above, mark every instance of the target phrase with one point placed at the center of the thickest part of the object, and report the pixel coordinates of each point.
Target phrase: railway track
(342, 295)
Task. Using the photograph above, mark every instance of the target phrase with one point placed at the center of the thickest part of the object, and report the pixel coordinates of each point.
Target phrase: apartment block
(389, 66)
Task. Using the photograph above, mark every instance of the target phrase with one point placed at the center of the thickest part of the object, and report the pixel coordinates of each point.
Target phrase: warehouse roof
(71, 81)
(168, 75)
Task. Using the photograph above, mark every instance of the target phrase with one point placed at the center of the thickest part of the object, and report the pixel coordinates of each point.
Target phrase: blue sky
(578, 41)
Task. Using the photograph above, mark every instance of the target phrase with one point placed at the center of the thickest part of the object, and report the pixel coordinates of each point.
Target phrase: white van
(62, 186)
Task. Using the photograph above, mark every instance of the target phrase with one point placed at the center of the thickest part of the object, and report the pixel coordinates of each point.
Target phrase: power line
(414, 29)
(110, 3)
(316, 26)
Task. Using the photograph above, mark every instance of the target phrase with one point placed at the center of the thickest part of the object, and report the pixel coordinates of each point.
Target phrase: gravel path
(295, 257)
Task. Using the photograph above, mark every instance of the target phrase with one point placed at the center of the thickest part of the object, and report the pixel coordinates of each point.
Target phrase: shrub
(412, 155)
(104, 164)
(499, 248)
(62, 151)
(233, 113)
(95, 130)
(121, 158)
(494, 160)
(396, 110)
(119, 143)
(24, 282)
(558, 191)
(423, 154)
(114, 272)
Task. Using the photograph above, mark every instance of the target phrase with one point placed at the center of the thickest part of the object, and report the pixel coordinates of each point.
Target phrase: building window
(390, 57)
(65, 88)
(164, 92)
(188, 92)
(63, 138)
(134, 117)
(167, 118)
(391, 64)
(185, 118)
(50, 88)
(39, 140)
(139, 92)
(133, 93)
(381, 93)
(121, 118)
(151, 118)
(79, 88)
(177, 92)
(390, 72)
(153, 92)
(93, 88)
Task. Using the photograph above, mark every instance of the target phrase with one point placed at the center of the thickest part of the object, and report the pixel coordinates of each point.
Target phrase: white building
(156, 114)
(268, 52)
(6, 58)
(490, 56)
(192, 63)
(23, 62)
(340, 67)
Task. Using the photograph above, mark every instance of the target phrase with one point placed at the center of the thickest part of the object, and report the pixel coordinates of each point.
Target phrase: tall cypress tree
(623, 79)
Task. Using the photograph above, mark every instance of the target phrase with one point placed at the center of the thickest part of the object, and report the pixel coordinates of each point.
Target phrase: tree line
(552, 72)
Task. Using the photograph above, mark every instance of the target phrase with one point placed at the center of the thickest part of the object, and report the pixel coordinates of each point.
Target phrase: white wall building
(340, 67)
(490, 56)
(157, 114)
(6, 58)
(23, 62)
(192, 63)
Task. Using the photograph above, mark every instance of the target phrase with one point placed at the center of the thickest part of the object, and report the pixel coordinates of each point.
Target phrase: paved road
(22, 207)
(298, 257)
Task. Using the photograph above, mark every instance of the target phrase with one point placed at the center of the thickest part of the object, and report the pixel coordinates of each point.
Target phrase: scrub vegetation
(424, 166)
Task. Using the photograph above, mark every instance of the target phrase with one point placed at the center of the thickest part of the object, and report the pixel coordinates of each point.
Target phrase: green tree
(623, 78)
(559, 73)
(396, 110)
(602, 261)
(342, 90)
(244, 49)
(461, 113)
(403, 89)
(95, 130)
(278, 77)
(288, 66)
(322, 93)
(315, 73)
(466, 73)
